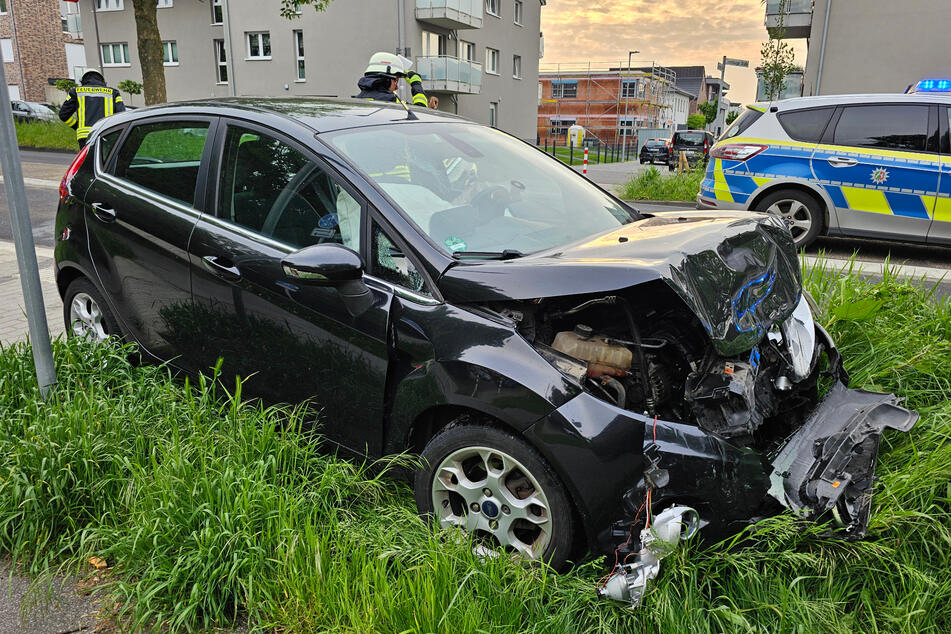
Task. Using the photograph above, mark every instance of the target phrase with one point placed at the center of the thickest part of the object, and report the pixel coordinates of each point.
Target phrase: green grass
(207, 508)
(45, 135)
(564, 154)
(652, 185)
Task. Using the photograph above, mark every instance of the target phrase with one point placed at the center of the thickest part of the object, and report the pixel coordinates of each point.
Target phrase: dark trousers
(82, 143)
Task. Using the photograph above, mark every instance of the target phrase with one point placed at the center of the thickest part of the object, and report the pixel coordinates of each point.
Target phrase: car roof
(319, 114)
(836, 100)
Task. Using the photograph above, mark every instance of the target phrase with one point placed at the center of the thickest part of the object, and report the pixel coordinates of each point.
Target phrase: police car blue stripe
(740, 186)
(907, 205)
(835, 193)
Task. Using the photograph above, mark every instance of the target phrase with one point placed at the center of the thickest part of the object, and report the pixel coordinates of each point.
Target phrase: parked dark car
(438, 286)
(31, 111)
(695, 144)
(655, 150)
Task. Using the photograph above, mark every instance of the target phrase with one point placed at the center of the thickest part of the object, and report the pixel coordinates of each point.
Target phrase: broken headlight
(799, 334)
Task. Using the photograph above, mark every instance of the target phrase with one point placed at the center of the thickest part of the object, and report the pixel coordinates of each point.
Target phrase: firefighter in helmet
(89, 102)
(381, 79)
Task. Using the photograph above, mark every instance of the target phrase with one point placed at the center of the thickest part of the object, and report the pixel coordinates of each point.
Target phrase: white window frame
(3, 7)
(496, 5)
(221, 52)
(300, 65)
(464, 45)
(167, 49)
(216, 4)
(259, 35)
(492, 55)
(519, 12)
(109, 5)
(164, 4)
(516, 66)
(494, 114)
(6, 49)
(123, 48)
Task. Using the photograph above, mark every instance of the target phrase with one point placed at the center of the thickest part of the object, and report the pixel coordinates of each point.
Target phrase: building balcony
(449, 74)
(451, 14)
(796, 18)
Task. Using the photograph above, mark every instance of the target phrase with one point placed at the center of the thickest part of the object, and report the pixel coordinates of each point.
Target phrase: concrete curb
(875, 270)
(52, 150)
(673, 204)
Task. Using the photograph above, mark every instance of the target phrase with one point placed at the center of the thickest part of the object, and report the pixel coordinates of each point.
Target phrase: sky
(670, 33)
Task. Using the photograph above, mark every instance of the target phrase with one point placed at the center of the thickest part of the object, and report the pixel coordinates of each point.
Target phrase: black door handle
(104, 214)
(222, 268)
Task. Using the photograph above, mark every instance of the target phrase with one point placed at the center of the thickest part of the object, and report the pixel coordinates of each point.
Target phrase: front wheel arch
(818, 195)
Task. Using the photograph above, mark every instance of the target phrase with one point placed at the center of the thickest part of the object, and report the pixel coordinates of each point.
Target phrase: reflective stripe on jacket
(88, 104)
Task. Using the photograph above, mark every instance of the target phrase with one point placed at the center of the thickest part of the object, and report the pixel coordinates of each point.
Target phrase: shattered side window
(392, 265)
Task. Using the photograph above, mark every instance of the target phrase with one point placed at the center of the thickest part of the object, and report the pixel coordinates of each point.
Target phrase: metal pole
(232, 80)
(95, 21)
(23, 240)
(822, 51)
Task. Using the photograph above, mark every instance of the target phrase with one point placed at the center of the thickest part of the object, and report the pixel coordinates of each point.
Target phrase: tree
(130, 87)
(777, 57)
(696, 121)
(732, 116)
(709, 111)
(149, 42)
(65, 85)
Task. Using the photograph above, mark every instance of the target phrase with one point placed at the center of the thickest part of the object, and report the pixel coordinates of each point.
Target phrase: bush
(652, 185)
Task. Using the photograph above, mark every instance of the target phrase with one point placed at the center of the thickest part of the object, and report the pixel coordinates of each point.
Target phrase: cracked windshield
(478, 192)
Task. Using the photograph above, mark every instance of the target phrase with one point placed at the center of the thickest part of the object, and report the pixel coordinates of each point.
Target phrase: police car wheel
(802, 213)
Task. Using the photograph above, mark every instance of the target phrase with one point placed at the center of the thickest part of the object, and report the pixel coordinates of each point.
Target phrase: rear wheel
(802, 213)
(496, 487)
(86, 314)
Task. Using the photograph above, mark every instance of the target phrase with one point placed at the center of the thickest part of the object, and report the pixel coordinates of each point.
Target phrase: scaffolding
(610, 99)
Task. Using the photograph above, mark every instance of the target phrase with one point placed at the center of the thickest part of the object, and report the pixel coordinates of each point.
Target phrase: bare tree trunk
(150, 51)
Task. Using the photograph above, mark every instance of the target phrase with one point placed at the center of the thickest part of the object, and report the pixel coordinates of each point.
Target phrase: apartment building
(609, 101)
(40, 41)
(865, 47)
(480, 57)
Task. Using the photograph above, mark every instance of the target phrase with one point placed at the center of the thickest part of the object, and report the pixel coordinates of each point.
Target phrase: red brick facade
(35, 26)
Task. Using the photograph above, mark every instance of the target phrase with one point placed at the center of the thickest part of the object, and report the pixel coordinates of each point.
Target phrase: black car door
(139, 214)
(289, 342)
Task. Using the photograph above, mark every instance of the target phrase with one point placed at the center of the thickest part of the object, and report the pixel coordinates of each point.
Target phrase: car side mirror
(331, 265)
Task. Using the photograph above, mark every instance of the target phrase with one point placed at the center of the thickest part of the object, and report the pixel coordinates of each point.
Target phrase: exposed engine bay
(654, 358)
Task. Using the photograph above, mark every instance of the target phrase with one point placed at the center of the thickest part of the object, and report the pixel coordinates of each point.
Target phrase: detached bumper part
(828, 464)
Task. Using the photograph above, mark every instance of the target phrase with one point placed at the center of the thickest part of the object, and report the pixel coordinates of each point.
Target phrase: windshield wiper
(507, 254)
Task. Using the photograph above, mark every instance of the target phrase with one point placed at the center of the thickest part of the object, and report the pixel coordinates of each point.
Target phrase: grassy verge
(45, 135)
(206, 507)
(652, 185)
(565, 155)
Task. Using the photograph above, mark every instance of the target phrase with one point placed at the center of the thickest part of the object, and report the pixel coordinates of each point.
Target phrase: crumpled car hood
(737, 271)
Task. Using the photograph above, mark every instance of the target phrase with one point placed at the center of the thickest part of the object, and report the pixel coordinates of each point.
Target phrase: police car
(875, 166)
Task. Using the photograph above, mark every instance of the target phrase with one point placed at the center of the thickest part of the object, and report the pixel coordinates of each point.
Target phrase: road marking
(37, 182)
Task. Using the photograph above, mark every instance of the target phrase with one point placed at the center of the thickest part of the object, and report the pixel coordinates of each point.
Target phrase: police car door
(941, 223)
(879, 163)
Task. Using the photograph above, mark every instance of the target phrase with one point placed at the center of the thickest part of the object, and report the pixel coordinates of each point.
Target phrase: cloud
(675, 33)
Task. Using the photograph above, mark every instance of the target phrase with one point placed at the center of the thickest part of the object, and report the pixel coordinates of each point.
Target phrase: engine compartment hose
(639, 351)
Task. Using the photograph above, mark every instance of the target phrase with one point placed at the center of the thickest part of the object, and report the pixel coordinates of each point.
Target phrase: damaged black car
(571, 370)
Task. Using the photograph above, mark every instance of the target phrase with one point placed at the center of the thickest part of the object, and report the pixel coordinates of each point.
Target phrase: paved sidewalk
(13, 325)
(610, 175)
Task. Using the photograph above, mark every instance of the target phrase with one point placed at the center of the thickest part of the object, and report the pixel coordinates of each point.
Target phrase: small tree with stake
(778, 57)
(130, 87)
(709, 110)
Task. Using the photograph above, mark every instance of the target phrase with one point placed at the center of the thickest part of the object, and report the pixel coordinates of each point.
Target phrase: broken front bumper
(828, 464)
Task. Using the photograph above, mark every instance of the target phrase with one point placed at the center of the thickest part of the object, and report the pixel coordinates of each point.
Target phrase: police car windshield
(473, 189)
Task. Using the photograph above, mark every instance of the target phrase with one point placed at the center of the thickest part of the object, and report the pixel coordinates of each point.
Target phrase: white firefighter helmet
(87, 71)
(389, 64)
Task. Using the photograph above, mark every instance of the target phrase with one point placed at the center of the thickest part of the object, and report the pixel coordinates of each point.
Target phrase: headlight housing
(799, 334)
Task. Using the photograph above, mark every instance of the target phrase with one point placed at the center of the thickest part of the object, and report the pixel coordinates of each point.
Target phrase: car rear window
(689, 138)
(741, 125)
(655, 143)
(896, 127)
(164, 157)
(805, 125)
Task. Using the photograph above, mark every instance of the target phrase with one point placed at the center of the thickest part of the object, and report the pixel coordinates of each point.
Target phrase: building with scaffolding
(609, 100)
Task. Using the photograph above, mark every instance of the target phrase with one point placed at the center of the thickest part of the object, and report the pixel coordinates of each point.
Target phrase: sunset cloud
(674, 33)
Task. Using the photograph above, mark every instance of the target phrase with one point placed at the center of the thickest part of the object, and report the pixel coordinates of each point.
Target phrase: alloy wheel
(86, 319)
(495, 498)
(796, 215)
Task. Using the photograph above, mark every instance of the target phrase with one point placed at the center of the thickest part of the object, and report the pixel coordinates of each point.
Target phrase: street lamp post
(624, 123)
(727, 61)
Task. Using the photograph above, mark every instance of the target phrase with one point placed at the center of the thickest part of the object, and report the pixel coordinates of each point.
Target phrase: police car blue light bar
(932, 85)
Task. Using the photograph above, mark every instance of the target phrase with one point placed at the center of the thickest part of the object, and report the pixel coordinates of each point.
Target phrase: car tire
(86, 313)
(804, 213)
(493, 462)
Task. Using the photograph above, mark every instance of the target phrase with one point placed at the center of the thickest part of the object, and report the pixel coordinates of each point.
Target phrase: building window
(299, 49)
(69, 14)
(433, 44)
(629, 89)
(466, 51)
(491, 61)
(259, 45)
(164, 4)
(493, 114)
(116, 54)
(170, 52)
(221, 61)
(3, 6)
(518, 12)
(109, 5)
(492, 7)
(517, 66)
(6, 49)
(564, 89)
(216, 15)
(559, 127)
